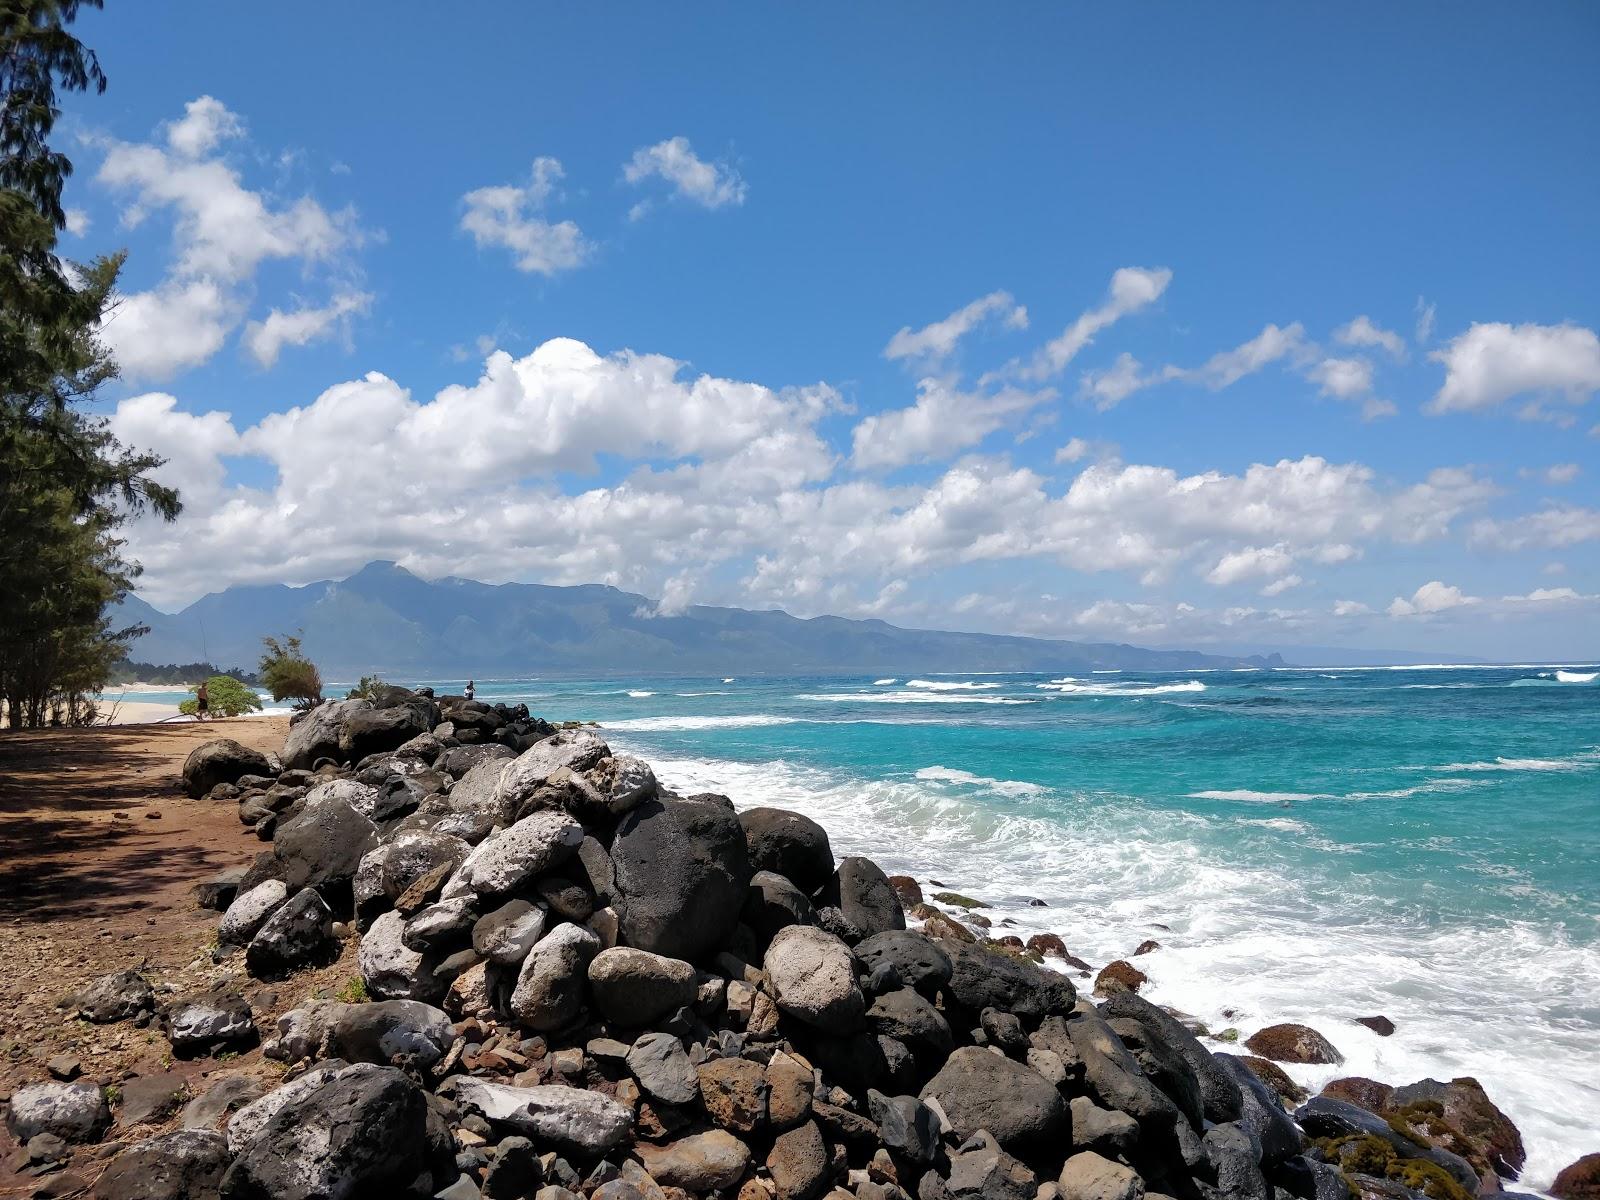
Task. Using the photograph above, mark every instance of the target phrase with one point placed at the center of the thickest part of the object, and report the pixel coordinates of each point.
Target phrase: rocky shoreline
(573, 983)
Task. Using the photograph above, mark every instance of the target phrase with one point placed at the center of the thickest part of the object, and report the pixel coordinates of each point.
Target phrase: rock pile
(578, 984)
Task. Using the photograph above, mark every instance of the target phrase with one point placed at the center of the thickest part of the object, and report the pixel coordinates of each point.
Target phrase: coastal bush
(288, 674)
(365, 689)
(227, 697)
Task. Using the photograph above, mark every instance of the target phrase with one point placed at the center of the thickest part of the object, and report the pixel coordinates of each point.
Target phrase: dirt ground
(99, 854)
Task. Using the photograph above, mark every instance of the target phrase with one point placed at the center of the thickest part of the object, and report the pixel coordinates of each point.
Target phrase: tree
(226, 697)
(288, 674)
(66, 484)
(365, 688)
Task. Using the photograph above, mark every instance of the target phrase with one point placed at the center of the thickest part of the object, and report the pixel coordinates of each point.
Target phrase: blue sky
(1220, 326)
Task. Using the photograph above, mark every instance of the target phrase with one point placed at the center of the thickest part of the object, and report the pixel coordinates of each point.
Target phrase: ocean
(1307, 845)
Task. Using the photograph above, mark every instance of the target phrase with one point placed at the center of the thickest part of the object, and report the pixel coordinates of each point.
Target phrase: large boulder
(185, 1165)
(571, 1120)
(788, 844)
(208, 1020)
(550, 986)
(73, 1112)
(682, 871)
(772, 903)
(375, 730)
(1292, 1043)
(387, 1032)
(633, 987)
(814, 980)
(392, 970)
(322, 846)
(298, 934)
(981, 977)
(906, 1015)
(978, 1089)
(572, 750)
(249, 912)
(917, 961)
(506, 860)
(222, 760)
(367, 1131)
(1219, 1094)
(421, 859)
(1467, 1107)
(315, 735)
(864, 897)
(1578, 1180)
(506, 935)
(1260, 1113)
(1090, 1176)
(799, 1162)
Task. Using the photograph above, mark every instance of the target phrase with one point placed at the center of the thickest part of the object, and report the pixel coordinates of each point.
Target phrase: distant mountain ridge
(385, 620)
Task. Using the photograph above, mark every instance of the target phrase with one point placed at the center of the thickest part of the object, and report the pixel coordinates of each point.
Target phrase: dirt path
(99, 854)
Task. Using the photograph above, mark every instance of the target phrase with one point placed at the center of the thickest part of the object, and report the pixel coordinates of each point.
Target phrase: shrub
(366, 688)
(288, 674)
(227, 696)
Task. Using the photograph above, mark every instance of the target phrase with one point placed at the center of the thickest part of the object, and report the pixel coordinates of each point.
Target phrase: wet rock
(977, 1090)
(681, 871)
(1088, 1176)
(299, 933)
(1048, 944)
(814, 980)
(550, 986)
(1219, 1095)
(1360, 1091)
(1261, 1114)
(1578, 1180)
(1292, 1043)
(119, 996)
(634, 987)
(701, 1162)
(1379, 1025)
(221, 761)
(788, 844)
(1163, 1066)
(1466, 1107)
(571, 1120)
(73, 1112)
(1119, 976)
(1276, 1078)
(185, 1165)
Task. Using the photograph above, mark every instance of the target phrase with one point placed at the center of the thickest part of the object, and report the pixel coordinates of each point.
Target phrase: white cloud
(1110, 386)
(298, 327)
(943, 421)
(710, 185)
(1222, 370)
(1425, 318)
(206, 123)
(938, 340)
(1350, 608)
(1250, 562)
(1556, 475)
(1132, 288)
(78, 222)
(509, 217)
(1432, 597)
(1491, 363)
(1281, 585)
(1549, 529)
(156, 334)
(1350, 379)
(193, 445)
(1075, 449)
(1363, 332)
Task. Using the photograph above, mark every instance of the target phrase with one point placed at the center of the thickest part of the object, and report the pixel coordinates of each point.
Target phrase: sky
(1209, 326)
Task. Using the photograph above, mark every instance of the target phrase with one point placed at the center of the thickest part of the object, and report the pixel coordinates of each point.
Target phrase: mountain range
(386, 621)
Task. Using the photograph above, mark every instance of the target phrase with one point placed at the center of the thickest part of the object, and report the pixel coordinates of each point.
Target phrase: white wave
(909, 698)
(1308, 944)
(884, 682)
(931, 685)
(729, 679)
(1281, 824)
(1250, 797)
(1068, 688)
(1002, 787)
(1577, 676)
(1584, 761)
(1107, 671)
(637, 695)
(686, 695)
(660, 724)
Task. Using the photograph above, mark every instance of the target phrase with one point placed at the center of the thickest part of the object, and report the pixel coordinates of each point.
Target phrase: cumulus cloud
(510, 217)
(1074, 449)
(1350, 379)
(1132, 289)
(1491, 363)
(1432, 597)
(1549, 529)
(938, 340)
(78, 222)
(156, 334)
(266, 339)
(691, 178)
(1110, 386)
(1272, 344)
(1350, 608)
(1362, 331)
(944, 420)
(1250, 562)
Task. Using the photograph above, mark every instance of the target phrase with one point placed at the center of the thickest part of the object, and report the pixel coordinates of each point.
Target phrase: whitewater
(1305, 845)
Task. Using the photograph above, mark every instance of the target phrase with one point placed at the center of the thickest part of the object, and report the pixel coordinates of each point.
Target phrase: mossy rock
(957, 900)
(1367, 1154)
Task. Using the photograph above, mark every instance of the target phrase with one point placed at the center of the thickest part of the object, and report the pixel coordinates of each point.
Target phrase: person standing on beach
(470, 690)
(202, 702)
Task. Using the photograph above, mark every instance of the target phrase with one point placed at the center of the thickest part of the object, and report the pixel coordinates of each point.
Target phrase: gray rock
(634, 987)
(570, 1119)
(1163, 1066)
(864, 897)
(916, 959)
(1103, 1130)
(981, 1170)
(209, 1019)
(362, 797)
(119, 996)
(323, 845)
(148, 1099)
(978, 1089)
(515, 1171)
(440, 927)
(226, 1094)
(1323, 1116)
(506, 860)
(681, 871)
(298, 934)
(813, 979)
(1233, 1154)
(576, 750)
(385, 1032)
(222, 760)
(388, 871)
(910, 1019)
(788, 844)
(625, 781)
(185, 1165)
(662, 1067)
(506, 935)
(982, 978)
(249, 912)
(774, 903)
(1088, 1176)
(366, 1131)
(701, 1162)
(1114, 1077)
(393, 971)
(1219, 1094)
(74, 1112)
(1261, 1114)
(248, 1122)
(315, 735)
(550, 986)
(906, 1125)
(458, 760)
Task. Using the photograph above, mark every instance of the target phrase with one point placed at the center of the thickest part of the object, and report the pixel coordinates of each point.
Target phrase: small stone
(64, 1067)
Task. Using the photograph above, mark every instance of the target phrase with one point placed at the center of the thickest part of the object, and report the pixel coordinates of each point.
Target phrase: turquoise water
(1310, 845)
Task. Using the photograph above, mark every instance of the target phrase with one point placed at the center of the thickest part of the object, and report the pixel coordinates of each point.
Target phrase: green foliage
(178, 673)
(66, 485)
(366, 689)
(957, 900)
(1367, 1154)
(226, 696)
(288, 674)
(354, 991)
